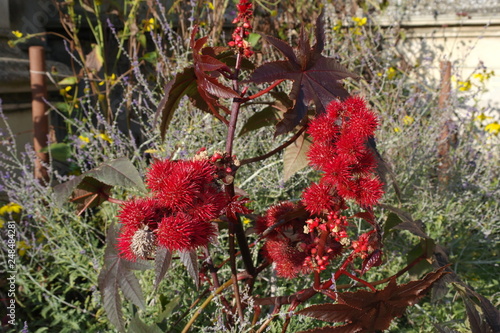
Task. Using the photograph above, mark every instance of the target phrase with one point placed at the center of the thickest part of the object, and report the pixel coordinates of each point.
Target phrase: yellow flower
(408, 120)
(11, 207)
(246, 220)
(22, 247)
(150, 24)
(112, 80)
(360, 21)
(338, 25)
(397, 129)
(68, 88)
(482, 117)
(493, 128)
(17, 33)
(104, 137)
(84, 140)
(464, 85)
(391, 73)
(210, 5)
(484, 76)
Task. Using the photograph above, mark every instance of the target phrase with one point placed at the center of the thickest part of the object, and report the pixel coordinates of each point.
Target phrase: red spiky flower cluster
(340, 150)
(185, 198)
(245, 14)
(304, 237)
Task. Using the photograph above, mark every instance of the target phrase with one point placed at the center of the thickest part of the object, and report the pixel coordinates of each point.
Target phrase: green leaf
(424, 248)
(295, 156)
(169, 308)
(266, 117)
(59, 151)
(137, 326)
(68, 81)
(119, 172)
(151, 57)
(391, 221)
(253, 39)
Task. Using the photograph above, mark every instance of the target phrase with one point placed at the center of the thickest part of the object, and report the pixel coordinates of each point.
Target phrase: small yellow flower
(150, 24)
(68, 88)
(464, 85)
(397, 129)
(104, 137)
(482, 117)
(408, 120)
(338, 25)
(210, 5)
(246, 220)
(22, 247)
(493, 128)
(84, 140)
(11, 207)
(17, 33)
(484, 76)
(360, 21)
(391, 73)
(112, 80)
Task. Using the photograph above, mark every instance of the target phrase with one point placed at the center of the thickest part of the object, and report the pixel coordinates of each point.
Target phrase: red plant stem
(115, 201)
(262, 92)
(235, 226)
(276, 150)
(359, 280)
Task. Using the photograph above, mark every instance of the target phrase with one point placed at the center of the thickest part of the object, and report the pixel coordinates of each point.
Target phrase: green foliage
(58, 274)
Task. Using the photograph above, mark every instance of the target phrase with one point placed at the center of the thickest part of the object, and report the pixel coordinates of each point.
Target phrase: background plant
(413, 162)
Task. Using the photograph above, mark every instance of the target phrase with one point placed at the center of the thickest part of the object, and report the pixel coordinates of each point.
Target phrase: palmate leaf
(201, 87)
(366, 311)
(295, 156)
(163, 259)
(116, 273)
(92, 187)
(190, 260)
(315, 77)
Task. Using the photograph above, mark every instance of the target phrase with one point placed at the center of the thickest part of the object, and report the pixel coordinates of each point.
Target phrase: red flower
(286, 218)
(179, 184)
(183, 232)
(140, 218)
(322, 198)
(288, 260)
(339, 150)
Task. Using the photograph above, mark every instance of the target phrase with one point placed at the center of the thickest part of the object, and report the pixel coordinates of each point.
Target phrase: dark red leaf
(315, 77)
(371, 311)
(90, 193)
(237, 206)
(373, 260)
(199, 82)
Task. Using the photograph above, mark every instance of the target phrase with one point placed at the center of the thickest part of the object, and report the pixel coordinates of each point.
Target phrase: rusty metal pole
(446, 138)
(39, 116)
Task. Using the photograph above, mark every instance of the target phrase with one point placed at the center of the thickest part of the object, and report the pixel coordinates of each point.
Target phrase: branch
(262, 92)
(274, 151)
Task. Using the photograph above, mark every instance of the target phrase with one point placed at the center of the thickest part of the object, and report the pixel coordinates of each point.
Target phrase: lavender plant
(104, 138)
